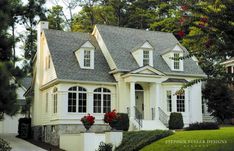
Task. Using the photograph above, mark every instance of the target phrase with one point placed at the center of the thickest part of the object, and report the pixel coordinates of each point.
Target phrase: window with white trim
(176, 61)
(87, 58)
(101, 100)
(77, 99)
(180, 102)
(146, 57)
(169, 98)
(55, 101)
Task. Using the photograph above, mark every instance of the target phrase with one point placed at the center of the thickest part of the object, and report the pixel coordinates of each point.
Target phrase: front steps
(152, 125)
(208, 118)
(148, 125)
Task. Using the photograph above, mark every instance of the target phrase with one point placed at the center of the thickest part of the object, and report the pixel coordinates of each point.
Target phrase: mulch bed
(43, 145)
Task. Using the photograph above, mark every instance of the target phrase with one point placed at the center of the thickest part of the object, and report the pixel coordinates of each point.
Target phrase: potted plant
(88, 121)
(111, 118)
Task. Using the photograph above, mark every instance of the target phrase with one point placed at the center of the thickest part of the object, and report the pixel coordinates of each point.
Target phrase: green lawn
(197, 140)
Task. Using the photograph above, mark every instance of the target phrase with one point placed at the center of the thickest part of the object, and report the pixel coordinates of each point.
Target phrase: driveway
(18, 144)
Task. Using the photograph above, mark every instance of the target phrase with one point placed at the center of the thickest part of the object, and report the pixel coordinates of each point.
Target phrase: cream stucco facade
(151, 100)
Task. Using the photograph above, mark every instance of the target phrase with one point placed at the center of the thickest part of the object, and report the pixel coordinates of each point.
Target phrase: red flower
(184, 7)
(88, 120)
(110, 116)
(181, 33)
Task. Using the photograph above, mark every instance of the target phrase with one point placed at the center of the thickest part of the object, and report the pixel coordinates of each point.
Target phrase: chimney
(40, 27)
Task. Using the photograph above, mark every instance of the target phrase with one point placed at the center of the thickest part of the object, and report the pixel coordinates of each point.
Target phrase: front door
(140, 102)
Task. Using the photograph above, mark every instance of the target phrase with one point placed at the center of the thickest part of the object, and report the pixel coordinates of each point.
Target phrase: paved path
(18, 144)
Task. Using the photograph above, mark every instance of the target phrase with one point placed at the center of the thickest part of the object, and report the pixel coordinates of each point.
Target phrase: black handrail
(138, 117)
(163, 117)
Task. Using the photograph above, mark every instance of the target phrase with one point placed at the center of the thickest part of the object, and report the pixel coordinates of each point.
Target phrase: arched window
(55, 99)
(77, 99)
(101, 100)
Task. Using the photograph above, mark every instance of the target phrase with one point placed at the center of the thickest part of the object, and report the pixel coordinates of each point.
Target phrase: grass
(200, 140)
(134, 141)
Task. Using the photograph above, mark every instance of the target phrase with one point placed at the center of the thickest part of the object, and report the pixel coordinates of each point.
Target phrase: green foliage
(203, 126)
(55, 18)
(133, 141)
(219, 99)
(105, 147)
(7, 93)
(24, 127)
(4, 146)
(176, 121)
(32, 12)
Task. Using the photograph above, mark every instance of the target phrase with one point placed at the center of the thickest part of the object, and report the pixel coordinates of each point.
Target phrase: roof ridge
(133, 28)
(67, 31)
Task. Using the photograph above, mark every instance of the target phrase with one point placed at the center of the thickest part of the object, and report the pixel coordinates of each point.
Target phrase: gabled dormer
(85, 55)
(171, 57)
(143, 54)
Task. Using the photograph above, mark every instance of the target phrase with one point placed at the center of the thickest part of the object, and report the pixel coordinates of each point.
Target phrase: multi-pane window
(77, 99)
(101, 100)
(180, 103)
(87, 58)
(145, 57)
(176, 61)
(55, 104)
(169, 105)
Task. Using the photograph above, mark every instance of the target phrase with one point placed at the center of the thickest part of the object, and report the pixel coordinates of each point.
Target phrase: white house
(129, 70)
(10, 123)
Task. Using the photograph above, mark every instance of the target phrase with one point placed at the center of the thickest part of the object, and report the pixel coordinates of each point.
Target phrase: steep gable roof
(121, 41)
(62, 46)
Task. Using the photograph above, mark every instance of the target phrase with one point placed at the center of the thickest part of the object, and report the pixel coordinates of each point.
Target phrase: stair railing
(153, 113)
(138, 117)
(163, 117)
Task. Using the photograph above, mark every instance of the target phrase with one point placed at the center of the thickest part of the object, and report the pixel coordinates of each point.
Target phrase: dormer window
(143, 54)
(176, 61)
(85, 55)
(146, 58)
(87, 58)
(172, 57)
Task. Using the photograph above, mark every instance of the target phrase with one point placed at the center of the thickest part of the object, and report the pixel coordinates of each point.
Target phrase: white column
(152, 99)
(157, 99)
(132, 99)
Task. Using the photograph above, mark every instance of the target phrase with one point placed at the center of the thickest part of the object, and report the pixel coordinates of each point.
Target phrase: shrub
(24, 127)
(134, 141)
(122, 122)
(105, 147)
(203, 126)
(176, 121)
(4, 146)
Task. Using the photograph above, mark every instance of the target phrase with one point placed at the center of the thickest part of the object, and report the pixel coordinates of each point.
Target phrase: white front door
(140, 102)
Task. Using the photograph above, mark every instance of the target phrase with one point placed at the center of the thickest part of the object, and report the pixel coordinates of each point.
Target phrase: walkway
(18, 144)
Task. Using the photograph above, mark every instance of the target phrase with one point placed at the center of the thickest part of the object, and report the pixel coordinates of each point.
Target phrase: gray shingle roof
(121, 41)
(173, 80)
(62, 46)
(26, 82)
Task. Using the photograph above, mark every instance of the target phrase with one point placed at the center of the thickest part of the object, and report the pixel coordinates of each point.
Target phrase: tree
(219, 99)
(32, 11)
(7, 93)
(55, 18)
